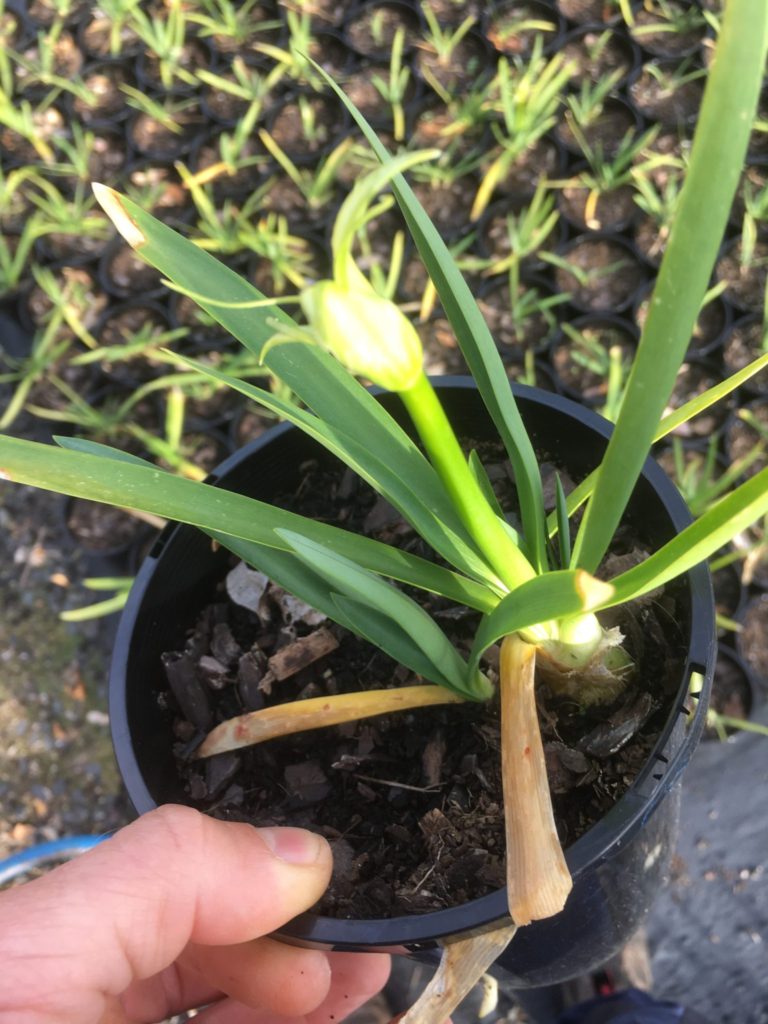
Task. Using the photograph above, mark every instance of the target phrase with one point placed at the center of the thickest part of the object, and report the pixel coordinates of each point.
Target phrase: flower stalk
(488, 531)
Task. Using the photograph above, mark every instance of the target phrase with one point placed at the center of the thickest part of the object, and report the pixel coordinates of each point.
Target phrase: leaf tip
(112, 204)
(592, 591)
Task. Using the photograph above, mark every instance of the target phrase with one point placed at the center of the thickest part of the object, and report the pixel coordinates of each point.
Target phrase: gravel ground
(57, 773)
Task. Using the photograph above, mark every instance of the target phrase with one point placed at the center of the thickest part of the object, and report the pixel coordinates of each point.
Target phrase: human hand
(171, 913)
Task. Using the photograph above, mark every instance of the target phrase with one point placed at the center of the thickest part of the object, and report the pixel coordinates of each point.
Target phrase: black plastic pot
(617, 866)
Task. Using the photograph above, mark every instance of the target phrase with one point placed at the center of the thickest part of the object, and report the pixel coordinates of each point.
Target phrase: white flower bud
(367, 333)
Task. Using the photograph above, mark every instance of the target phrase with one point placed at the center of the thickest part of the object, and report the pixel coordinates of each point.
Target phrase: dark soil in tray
(662, 101)
(411, 802)
(707, 331)
(726, 583)
(447, 205)
(613, 209)
(513, 334)
(361, 89)
(575, 367)
(100, 528)
(442, 354)
(289, 130)
(507, 29)
(746, 284)
(86, 299)
(731, 692)
(651, 240)
(596, 52)
(741, 438)
(688, 30)
(743, 344)
(607, 275)
(372, 31)
(161, 142)
(694, 379)
(543, 159)
(753, 639)
(104, 82)
(604, 132)
(126, 274)
(583, 11)
(458, 70)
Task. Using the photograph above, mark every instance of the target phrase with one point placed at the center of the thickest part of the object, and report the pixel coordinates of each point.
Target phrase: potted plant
(533, 582)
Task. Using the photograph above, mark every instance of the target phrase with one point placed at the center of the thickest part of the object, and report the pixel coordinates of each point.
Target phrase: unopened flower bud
(367, 333)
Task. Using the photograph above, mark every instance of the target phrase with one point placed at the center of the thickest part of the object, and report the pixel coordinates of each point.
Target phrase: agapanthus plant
(536, 591)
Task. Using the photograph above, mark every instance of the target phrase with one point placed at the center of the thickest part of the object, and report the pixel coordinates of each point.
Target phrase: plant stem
(488, 531)
(319, 712)
(538, 880)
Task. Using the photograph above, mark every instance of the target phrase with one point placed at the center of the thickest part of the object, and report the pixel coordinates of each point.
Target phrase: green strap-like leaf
(386, 634)
(545, 598)
(717, 156)
(82, 444)
(563, 529)
(675, 419)
(424, 506)
(477, 469)
(476, 344)
(295, 575)
(215, 509)
(697, 542)
(314, 376)
(436, 657)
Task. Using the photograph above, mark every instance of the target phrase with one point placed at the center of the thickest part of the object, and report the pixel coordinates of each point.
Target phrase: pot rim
(661, 770)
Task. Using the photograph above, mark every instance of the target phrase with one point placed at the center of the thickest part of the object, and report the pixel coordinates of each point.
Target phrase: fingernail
(293, 845)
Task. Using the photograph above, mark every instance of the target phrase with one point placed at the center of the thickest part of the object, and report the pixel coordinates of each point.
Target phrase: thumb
(126, 910)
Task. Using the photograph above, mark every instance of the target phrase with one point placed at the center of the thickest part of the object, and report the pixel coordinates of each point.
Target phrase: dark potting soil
(411, 803)
(442, 354)
(289, 126)
(515, 335)
(743, 344)
(577, 370)
(666, 102)
(606, 275)
(447, 205)
(651, 239)
(692, 380)
(100, 528)
(741, 437)
(746, 283)
(510, 35)
(457, 70)
(652, 30)
(604, 132)
(596, 53)
(127, 274)
(613, 209)
(583, 11)
(542, 158)
(753, 638)
(372, 31)
(731, 692)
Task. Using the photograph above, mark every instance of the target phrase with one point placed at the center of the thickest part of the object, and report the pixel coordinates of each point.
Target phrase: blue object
(37, 856)
(629, 1007)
